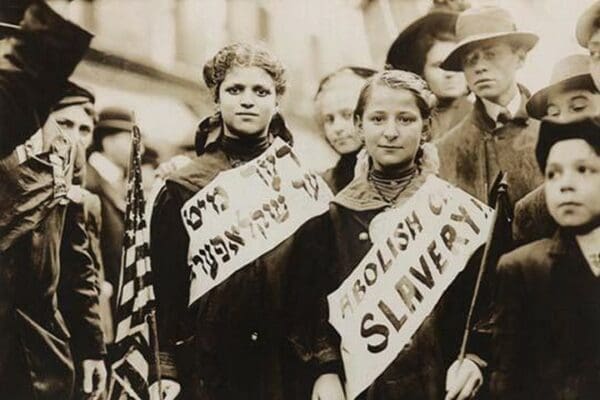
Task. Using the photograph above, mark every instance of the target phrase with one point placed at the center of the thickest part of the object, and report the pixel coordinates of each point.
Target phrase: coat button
(363, 236)
(254, 336)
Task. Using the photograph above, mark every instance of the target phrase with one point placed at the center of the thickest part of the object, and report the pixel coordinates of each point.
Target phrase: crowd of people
(447, 104)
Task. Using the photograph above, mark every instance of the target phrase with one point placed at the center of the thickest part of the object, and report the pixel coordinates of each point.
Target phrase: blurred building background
(148, 54)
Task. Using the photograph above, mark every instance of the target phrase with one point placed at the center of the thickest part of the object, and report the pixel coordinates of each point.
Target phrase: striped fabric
(134, 350)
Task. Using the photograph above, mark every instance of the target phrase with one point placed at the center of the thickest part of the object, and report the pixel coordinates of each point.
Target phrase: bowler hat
(572, 72)
(587, 24)
(111, 120)
(115, 119)
(401, 53)
(478, 25)
(551, 133)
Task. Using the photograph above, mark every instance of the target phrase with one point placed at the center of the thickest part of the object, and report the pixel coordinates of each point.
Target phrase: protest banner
(418, 250)
(247, 211)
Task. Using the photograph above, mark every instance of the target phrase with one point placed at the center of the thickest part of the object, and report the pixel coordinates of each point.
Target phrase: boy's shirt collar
(494, 110)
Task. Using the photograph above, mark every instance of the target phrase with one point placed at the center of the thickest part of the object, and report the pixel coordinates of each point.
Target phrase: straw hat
(477, 25)
(572, 72)
(587, 25)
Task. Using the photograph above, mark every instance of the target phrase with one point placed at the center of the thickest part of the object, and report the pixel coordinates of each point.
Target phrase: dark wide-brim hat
(587, 24)
(477, 25)
(572, 72)
(11, 15)
(402, 48)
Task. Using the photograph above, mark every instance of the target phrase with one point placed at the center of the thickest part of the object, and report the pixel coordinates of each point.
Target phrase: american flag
(135, 349)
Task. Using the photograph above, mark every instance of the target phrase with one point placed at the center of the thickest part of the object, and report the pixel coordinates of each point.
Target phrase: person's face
(572, 183)
(490, 69)
(594, 49)
(444, 84)
(117, 148)
(76, 122)
(247, 101)
(565, 106)
(336, 106)
(391, 126)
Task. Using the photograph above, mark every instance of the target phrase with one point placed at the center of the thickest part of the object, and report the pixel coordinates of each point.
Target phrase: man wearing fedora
(587, 32)
(106, 177)
(497, 135)
(570, 96)
(38, 51)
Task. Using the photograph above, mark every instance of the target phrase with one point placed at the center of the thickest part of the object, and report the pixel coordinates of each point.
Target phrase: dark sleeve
(79, 287)
(314, 339)
(509, 341)
(168, 251)
(34, 68)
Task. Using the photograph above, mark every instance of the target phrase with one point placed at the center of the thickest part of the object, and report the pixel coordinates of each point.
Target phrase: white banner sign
(417, 252)
(247, 211)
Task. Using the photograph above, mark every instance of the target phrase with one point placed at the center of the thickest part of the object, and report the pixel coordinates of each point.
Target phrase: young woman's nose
(247, 100)
(390, 131)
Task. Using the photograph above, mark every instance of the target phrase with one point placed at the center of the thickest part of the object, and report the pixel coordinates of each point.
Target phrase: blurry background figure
(588, 36)
(76, 115)
(335, 100)
(421, 48)
(149, 166)
(80, 300)
(106, 171)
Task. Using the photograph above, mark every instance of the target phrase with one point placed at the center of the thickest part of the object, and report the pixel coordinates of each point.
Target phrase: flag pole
(156, 348)
(151, 317)
(502, 190)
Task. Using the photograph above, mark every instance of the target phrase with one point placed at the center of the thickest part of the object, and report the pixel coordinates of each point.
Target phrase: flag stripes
(135, 334)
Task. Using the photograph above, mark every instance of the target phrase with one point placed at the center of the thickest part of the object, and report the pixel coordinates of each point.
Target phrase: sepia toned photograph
(299, 199)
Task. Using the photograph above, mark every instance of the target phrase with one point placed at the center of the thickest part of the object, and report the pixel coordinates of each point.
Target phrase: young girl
(335, 101)
(392, 117)
(233, 343)
(547, 329)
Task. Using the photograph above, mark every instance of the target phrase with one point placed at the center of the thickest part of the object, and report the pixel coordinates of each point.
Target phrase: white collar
(589, 244)
(107, 169)
(493, 109)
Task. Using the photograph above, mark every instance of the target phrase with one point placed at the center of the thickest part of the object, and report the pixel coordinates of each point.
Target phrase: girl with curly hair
(232, 343)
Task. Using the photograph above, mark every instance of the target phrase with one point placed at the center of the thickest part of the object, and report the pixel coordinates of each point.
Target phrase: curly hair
(242, 55)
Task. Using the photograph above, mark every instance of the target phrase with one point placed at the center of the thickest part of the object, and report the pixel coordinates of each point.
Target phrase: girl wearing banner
(232, 342)
(392, 116)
